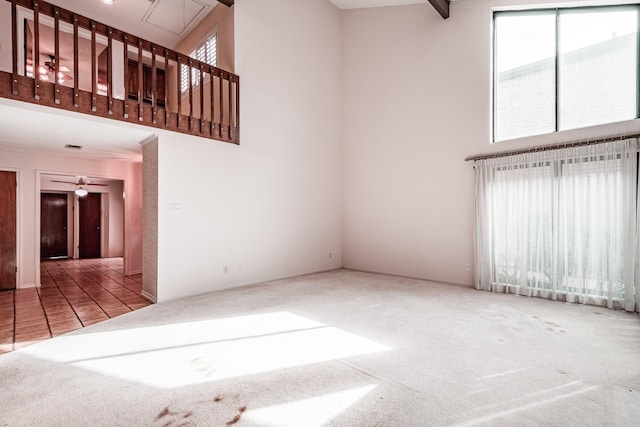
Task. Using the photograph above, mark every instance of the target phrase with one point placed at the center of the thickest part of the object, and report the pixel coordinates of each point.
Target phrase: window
(207, 53)
(561, 224)
(560, 69)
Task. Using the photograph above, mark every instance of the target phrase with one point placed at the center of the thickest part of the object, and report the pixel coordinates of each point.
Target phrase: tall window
(563, 69)
(207, 53)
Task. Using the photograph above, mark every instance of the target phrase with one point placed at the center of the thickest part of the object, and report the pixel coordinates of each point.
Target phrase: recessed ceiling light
(108, 1)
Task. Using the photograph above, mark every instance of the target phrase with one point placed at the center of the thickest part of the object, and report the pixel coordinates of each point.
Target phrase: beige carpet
(335, 349)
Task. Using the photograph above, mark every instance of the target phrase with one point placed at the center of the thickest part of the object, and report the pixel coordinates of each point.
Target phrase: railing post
(14, 46)
(154, 81)
(201, 98)
(94, 72)
(76, 67)
(237, 134)
(125, 58)
(166, 87)
(190, 61)
(212, 129)
(109, 70)
(230, 110)
(140, 82)
(36, 50)
(56, 62)
(221, 96)
(179, 89)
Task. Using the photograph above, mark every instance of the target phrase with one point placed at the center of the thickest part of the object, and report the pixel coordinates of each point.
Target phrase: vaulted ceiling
(442, 6)
(167, 22)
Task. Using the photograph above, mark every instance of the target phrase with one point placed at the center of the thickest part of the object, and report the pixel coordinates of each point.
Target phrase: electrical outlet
(225, 268)
(330, 255)
(467, 267)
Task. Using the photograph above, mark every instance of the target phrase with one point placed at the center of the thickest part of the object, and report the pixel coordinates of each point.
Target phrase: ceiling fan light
(81, 192)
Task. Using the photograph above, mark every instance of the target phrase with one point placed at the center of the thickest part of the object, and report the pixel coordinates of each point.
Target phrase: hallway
(74, 294)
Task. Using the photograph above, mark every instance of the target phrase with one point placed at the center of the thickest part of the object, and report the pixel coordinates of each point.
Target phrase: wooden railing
(100, 70)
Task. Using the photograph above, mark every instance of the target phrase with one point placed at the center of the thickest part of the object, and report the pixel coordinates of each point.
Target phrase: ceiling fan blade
(65, 75)
(101, 185)
(64, 182)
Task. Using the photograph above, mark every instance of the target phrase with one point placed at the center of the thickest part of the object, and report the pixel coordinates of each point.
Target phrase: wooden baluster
(125, 59)
(154, 81)
(201, 99)
(237, 134)
(179, 90)
(230, 109)
(110, 70)
(213, 102)
(94, 64)
(76, 66)
(36, 50)
(166, 87)
(140, 83)
(190, 94)
(14, 46)
(56, 50)
(221, 96)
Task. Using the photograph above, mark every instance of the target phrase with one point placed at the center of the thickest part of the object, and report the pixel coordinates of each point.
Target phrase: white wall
(29, 164)
(270, 207)
(417, 102)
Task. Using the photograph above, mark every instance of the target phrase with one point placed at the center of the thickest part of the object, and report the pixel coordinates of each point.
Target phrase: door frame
(72, 175)
(18, 172)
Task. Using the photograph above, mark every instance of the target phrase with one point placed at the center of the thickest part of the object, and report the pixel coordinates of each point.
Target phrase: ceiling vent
(73, 147)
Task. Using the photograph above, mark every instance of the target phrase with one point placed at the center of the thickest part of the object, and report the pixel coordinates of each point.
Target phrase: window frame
(184, 76)
(557, 12)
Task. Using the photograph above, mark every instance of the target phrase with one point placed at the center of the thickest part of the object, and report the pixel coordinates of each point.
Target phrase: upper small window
(207, 53)
(563, 69)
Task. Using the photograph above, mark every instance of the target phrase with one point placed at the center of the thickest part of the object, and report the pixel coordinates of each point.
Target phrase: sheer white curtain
(561, 224)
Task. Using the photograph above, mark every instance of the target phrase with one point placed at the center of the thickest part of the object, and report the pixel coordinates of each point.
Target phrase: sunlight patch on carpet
(181, 354)
(311, 412)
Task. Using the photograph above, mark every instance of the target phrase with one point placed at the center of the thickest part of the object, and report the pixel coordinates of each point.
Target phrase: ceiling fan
(48, 71)
(82, 182)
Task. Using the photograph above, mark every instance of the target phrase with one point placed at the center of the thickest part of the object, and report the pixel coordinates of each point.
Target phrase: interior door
(53, 225)
(89, 217)
(8, 263)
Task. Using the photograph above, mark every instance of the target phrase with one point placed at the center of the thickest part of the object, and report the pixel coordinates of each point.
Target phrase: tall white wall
(28, 164)
(416, 101)
(270, 207)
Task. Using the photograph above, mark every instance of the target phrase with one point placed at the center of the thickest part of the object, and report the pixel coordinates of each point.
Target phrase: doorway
(90, 207)
(8, 230)
(53, 226)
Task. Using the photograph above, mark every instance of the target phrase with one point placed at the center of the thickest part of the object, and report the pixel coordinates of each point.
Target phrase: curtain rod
(550, 147)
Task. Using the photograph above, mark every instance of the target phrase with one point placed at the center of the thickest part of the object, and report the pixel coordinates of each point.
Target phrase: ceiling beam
(442, 6)
(227, 3)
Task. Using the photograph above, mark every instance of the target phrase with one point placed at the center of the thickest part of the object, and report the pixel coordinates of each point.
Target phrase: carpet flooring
(339, 348)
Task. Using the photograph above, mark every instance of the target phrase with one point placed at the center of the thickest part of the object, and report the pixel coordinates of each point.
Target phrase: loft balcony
(63, 60)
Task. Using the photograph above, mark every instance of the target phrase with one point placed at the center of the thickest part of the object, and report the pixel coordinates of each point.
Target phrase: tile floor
(74, 294)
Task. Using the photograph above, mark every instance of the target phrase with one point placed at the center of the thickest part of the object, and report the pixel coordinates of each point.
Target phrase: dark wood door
(8, 265)
(89, 216)
(147, 80)
(53, 225)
